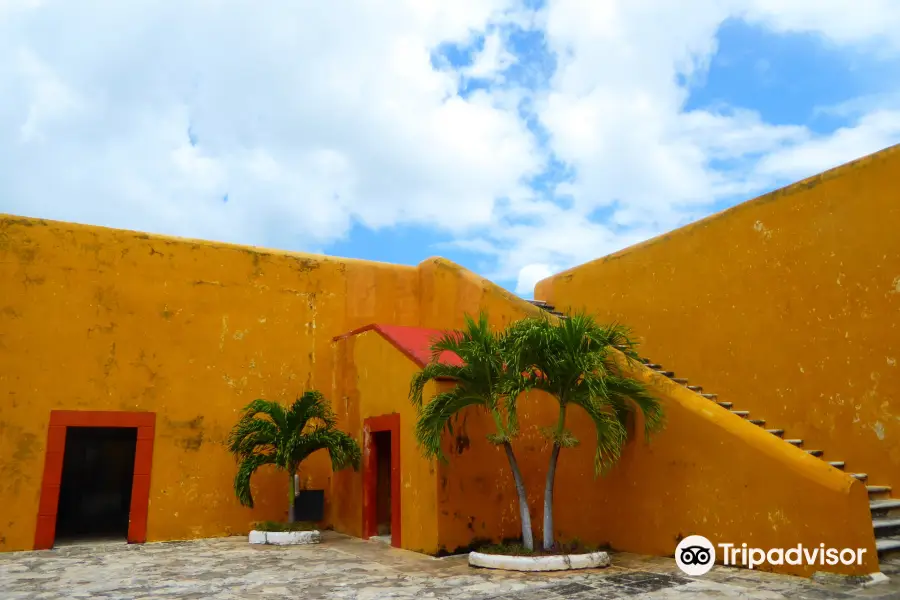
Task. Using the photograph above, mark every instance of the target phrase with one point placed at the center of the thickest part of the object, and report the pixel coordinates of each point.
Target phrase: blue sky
(516, 138)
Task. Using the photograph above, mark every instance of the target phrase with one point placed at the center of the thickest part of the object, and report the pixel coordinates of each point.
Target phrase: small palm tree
(269, 434)
(481, 380)
(573, 360)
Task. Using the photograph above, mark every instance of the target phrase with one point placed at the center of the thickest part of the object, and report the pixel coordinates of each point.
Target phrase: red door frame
(372, 425)
(60, 420)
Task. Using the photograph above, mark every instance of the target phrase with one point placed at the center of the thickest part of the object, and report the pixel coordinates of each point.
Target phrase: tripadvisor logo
(695, 555)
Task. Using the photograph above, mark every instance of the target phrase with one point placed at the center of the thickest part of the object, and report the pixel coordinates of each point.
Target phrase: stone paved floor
(345, 567)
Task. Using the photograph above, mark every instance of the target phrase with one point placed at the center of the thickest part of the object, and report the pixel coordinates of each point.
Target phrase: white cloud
(307, 117)
(530, 275)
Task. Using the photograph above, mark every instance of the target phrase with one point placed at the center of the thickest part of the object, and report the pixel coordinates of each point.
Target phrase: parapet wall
(787, 305)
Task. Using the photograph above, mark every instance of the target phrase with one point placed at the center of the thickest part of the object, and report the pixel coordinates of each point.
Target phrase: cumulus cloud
(284, 123)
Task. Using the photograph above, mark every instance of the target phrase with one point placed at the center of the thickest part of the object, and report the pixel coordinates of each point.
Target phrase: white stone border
(285, 538)
(563, 562)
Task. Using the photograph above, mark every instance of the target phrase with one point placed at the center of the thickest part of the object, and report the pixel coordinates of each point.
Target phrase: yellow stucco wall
(787, 305)
(709, 473)
(101, 319)
(376, 383)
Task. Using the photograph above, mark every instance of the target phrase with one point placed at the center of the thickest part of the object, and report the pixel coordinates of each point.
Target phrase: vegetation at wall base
(516, 548)
(279, 526)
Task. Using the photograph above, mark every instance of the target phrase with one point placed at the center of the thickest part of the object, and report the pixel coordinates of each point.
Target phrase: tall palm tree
(481, 380)
(270, 434)
(574, 361)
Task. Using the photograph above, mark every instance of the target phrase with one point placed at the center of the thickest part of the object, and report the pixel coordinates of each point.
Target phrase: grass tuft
(278, 526)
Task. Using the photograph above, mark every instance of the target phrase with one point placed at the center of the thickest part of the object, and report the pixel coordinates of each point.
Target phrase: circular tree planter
(559, 562)
(285, 538)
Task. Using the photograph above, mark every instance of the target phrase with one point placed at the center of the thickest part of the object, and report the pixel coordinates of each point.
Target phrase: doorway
(95, 490)
(96, 479)
(382, 444)
(381, 479)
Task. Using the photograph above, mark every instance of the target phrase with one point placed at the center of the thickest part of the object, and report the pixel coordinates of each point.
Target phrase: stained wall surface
(708, 472)
(787, 305)
(102, 319)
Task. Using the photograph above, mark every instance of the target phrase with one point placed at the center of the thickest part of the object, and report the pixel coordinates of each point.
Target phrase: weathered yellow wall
(102, 319)
(709, 473)
(377, 384)
(787, 305)
(372, 378)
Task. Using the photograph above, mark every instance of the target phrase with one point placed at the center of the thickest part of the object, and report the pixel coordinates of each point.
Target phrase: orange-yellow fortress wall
(101, 319)
(709, 473)
(787, 305)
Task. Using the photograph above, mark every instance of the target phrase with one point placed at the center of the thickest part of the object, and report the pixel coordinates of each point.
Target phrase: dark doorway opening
(97, 478)
(382, 442)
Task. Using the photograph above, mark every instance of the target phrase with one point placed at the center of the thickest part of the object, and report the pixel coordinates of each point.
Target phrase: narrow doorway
(381, 479)
(382, 446)
(96, 483)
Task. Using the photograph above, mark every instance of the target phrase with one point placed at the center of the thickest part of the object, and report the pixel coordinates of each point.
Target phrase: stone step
(541, 304)
(710, 396)
(878, 489)
(860, 476)
(837, 464)
(680, 380)
(742, 413)
(696, 388)
(885, 508)
(797, 443)
(727, 405)
(886, 527)
(884, 545)
(666, 373)
(815, 452)
(778, 432)
(760, 422)
(653, 366)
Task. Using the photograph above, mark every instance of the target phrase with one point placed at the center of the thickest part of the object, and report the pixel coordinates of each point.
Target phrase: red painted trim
(372, 425)
(413, 342)
(60, 420)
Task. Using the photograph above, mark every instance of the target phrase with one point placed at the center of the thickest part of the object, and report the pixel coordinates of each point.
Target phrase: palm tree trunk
(291, 495)
(551, 476)
(524, 512)
(548, 498)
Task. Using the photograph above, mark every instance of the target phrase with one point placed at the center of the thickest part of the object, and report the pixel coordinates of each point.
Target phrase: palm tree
(573, 360)
(481, 380)
(269, 434)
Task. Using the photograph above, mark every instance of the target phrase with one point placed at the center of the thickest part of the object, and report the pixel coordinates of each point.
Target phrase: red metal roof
(414, 342)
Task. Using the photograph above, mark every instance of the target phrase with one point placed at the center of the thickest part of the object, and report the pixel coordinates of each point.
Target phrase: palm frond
(273, 410)
(431, 372)
(342, 449)
(573, 360)
(611, 434)
(623, 388)
(311, 406)
(252, 435)
(435, 416)
(246, 468)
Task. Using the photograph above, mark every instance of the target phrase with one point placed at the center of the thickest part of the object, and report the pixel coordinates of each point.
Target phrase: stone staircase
(884, 508)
